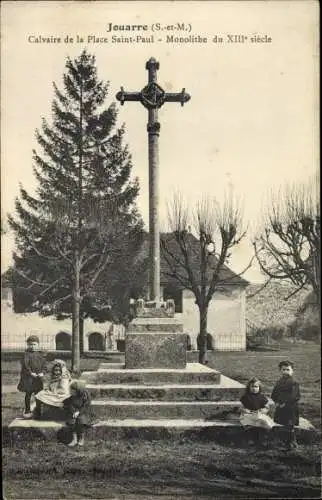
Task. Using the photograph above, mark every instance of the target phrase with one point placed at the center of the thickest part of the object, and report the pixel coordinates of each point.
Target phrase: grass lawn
(171, 468)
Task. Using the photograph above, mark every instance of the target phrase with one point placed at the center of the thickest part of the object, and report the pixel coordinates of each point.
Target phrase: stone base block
(193, 356)
(155, 350)
(146, 325)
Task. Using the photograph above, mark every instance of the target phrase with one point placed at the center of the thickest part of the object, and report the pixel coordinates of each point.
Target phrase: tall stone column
(153, 128)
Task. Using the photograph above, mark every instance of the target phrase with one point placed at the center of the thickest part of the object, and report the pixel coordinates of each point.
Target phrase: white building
(53, 334)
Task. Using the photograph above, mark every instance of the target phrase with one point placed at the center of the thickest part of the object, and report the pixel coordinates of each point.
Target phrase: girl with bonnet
(79, 411)
(57, 390)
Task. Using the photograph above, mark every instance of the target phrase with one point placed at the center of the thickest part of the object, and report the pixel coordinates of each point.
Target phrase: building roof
(227, 277)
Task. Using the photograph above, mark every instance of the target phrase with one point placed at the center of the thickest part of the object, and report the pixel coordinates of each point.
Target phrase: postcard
(158, 163)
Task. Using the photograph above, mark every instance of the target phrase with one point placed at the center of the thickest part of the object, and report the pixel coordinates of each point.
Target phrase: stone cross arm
(153, 96)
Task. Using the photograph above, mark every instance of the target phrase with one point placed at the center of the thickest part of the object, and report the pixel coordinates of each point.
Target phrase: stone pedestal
(155, 350)
(153, 342)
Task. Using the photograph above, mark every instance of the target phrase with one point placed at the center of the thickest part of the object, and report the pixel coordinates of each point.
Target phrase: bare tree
(288, 246)
(198, 247)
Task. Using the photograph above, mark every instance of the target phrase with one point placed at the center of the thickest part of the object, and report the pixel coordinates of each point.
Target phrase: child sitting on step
(79, 411)
(56, 392)
(33, 367)
(255, 409)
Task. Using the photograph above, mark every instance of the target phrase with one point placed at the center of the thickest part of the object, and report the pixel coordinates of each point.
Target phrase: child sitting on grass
(286, 394)
(79, 411)
(255, 409)
(33, 367)
(57, 390)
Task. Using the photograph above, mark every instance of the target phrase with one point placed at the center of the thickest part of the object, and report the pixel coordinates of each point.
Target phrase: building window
(172, 292)
(63, 341)
(95, 342)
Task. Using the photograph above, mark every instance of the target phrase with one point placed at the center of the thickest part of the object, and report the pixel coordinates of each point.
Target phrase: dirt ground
(176, 468)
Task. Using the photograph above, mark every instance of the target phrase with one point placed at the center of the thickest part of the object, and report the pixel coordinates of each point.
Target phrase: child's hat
(59, 362)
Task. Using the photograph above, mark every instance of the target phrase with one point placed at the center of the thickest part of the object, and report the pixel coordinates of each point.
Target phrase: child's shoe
(81, 440)
(73, 441)
(293, 445)
(27, 415)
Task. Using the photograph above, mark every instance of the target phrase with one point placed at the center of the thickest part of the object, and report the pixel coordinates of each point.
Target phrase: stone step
(163, 409)
(165, 392)
(194, 373)
(111, 366)
(215, 430)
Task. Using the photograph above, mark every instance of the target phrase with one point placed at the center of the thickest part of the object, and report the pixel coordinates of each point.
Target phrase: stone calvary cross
(152, 96)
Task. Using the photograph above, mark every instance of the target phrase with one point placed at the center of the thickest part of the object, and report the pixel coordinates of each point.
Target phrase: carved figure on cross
(152, 96)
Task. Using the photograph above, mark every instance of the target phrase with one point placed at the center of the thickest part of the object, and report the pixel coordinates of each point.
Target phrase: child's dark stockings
(27, 401)
(290, 436)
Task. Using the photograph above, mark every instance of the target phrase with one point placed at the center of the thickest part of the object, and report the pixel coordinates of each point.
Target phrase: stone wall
(15, 328)
(267, 307)
(226, 319)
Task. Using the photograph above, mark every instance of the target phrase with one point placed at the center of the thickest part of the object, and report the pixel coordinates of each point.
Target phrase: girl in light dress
(255, 409)
(56, 392)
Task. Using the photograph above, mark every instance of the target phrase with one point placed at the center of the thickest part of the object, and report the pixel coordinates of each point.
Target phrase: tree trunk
(81, 335)
(75, 319)
(203, 313)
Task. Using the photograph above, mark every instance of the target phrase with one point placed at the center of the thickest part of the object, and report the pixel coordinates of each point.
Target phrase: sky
(251, 123)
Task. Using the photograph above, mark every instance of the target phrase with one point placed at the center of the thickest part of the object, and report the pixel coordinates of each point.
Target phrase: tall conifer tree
(83, 212)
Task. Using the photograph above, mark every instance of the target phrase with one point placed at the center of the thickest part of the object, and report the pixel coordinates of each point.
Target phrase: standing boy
(286, 394)
(33, 366)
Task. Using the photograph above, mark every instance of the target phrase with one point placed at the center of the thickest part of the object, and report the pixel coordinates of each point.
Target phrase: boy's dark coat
(286, 391)
(31, 362)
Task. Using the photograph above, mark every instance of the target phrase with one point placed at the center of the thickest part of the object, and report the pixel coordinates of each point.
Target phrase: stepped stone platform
(193, 402)
(194, 392)
(155, 391)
